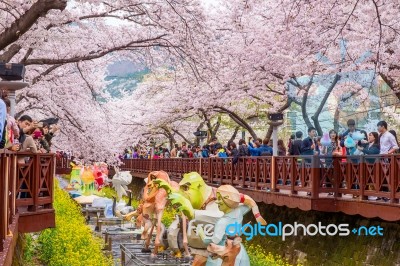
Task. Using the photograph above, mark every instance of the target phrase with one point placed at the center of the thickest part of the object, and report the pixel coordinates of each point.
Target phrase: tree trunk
(322, 103)
(304, 104)
(336, 119)
(235, 133)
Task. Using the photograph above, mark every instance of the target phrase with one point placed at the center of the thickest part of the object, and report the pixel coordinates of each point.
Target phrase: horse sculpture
(150, 212)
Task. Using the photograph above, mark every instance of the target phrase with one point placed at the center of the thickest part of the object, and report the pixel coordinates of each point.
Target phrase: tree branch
(25, 22)
(237, 119)
(182, 136)
(9, 54)
(145, 43)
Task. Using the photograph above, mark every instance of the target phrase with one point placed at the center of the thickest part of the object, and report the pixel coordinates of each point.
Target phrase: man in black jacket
(309, 146)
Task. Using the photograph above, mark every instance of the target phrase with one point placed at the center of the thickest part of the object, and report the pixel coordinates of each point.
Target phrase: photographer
(49, 131)
(41, 143)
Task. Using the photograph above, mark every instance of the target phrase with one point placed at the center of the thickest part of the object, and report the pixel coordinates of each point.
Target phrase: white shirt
(388, 142)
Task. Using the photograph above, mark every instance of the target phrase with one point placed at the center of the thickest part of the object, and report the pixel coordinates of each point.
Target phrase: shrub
(72, 241)
(258, 256)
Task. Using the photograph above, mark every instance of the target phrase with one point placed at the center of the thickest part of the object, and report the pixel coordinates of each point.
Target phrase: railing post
(210, 178)
(362, 180)
(315, 177)
(273, 173)
(292, 175)
(3, 201)
(35, 183)
(13, 185)
(244, 173)
(232, 172)
(257, 173)
(336, 176)
(200, 166)
(393, 184)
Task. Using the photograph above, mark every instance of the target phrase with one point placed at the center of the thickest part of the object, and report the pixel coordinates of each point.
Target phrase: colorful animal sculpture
(120, 182)
(153, 204)
(197, 201)
(234, 205)
(228, 252)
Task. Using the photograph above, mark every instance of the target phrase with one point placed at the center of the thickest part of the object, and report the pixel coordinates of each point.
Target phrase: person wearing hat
(351, 124)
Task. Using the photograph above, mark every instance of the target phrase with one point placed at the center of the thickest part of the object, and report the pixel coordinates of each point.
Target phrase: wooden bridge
(329, 184)
(26, 197)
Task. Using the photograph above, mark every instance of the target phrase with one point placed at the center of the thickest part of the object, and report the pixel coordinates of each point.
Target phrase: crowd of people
(23, 134)
(351, 142)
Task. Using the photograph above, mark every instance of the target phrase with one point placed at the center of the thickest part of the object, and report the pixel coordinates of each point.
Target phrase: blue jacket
(204, 153)
(263, 150)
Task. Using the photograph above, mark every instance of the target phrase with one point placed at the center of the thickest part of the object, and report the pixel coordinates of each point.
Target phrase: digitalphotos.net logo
(287, 230)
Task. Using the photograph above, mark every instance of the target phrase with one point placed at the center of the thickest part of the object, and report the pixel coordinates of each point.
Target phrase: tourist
(213, 144)
(26, 126)
(281, 148)
(191, 151)
(295, 148)
(290, 142)
(309, 145)
(234, 152)
(372, 147)
(205, 152)
(243, 149)
(395, 136)
(50, 130)
(41, 143)
(351, 124)
(135, 154)
(388, 144)
(166, 153)
(174, 151)
(334, 147)
(198, 152)
(261, 150)
(184, 153)
(12, 126)
(3, 122)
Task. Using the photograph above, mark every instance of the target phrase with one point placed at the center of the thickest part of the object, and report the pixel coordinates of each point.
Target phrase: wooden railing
(63, 165)
(26, 189)
(346, 179)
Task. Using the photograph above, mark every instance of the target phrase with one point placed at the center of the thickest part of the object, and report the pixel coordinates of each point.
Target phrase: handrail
(26, 182)
(361, 176)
